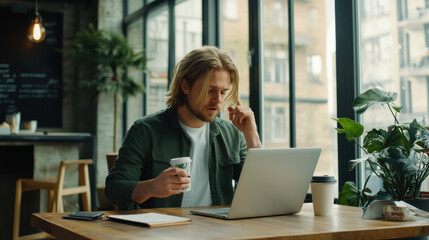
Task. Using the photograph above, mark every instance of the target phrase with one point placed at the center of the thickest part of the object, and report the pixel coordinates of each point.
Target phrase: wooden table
(345, 223)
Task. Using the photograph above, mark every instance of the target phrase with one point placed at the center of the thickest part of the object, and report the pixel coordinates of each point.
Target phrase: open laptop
(272, 182)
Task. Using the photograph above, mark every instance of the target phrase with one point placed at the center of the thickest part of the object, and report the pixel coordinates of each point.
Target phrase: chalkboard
(31, 73)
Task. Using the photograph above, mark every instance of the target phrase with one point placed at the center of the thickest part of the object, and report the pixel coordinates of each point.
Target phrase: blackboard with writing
(31, 73)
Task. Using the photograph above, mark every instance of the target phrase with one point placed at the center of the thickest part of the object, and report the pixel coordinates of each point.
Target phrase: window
(395, 58)
(235, 40)
(275, 123)
(312, 18)
(314, 82)
(135, 103)
(314, 68)
(188, 18)
(230, 9)
(279, 14)
(157, 50)
(314, 103)
(277, 68)
(134, 5)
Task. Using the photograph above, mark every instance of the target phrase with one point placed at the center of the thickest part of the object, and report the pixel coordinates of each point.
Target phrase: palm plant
(111, 56)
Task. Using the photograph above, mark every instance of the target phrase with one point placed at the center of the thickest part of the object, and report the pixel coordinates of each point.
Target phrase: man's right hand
(168, 183)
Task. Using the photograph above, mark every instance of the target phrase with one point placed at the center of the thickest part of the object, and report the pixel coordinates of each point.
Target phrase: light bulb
(36, 32)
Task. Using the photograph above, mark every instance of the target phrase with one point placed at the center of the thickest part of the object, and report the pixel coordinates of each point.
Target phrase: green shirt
(155, 139)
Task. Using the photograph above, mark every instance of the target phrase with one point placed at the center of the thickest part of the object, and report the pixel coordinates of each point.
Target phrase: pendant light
(36, 31)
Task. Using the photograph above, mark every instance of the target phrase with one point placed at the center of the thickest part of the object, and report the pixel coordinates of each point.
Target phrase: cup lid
(324, 179)
(180, 160)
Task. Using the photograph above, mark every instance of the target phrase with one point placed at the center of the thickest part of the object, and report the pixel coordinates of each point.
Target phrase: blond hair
(197, 64)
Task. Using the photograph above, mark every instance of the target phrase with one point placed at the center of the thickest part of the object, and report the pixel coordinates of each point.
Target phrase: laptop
(273, 181)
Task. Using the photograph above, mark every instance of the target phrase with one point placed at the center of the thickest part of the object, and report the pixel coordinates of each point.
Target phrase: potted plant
(110, 55)
(396, 154)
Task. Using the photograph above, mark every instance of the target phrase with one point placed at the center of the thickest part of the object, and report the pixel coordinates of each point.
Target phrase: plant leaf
(354, 162)
(397, 108)
(374, 140)
(372, 96)
(405, 165)
(349, 195)
(414, 129)
(397, 139)
(352, 129)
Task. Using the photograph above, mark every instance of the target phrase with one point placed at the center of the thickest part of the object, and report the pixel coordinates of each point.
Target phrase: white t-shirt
(199, 195)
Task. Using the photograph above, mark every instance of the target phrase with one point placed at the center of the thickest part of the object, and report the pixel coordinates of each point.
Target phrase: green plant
(350, 195)
(111, 56)
(396, 155)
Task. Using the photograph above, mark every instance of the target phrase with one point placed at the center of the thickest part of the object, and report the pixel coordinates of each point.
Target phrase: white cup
(14, 120)
(30, 125)
(323, 194)
(182, 163)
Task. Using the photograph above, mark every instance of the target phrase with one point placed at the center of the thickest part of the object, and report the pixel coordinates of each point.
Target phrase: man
(204, 82)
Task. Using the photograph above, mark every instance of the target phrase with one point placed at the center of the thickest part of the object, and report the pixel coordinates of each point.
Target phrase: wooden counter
(50, 148)
(38, 155)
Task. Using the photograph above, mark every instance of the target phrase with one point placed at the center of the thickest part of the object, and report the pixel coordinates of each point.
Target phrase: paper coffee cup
(323, 194)
(30, 125)
(182, 163)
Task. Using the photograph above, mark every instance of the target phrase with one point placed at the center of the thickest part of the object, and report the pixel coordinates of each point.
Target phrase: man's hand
(243, 118)
(168, 183)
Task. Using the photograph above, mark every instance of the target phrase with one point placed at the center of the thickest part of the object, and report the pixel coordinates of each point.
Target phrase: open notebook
(272, 182)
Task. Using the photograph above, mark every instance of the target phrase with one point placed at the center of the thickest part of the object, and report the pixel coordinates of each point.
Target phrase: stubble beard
(199, 114)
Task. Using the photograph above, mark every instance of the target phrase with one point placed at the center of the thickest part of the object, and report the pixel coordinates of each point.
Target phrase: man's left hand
(244, 119)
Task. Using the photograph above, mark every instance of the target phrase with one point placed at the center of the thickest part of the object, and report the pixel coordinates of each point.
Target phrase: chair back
(111, 157)
(83, 187)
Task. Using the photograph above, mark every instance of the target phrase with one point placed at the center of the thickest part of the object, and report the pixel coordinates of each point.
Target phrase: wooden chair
(111, 157)
(56, 191)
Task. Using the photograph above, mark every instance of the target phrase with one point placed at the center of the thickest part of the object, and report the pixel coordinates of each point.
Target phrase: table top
(344, 223)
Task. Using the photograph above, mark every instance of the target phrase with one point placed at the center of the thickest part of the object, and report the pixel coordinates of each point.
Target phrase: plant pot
(422, 203)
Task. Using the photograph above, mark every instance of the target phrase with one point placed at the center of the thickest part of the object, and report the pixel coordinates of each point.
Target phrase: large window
(314, 81)
(235, 40)
(315, 92)
(275, 121)
(157, 50)
(135, 103)
(301, 119)
(134, 5)
(188, 27)
(275, 34)
(394, 47)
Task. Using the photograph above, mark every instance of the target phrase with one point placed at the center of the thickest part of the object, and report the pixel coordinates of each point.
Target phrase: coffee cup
(323, 194)
(14, 120)
(182, 163)
(30, 125)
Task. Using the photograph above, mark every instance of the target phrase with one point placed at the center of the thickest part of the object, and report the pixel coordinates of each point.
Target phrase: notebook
(152, 219)
(272, 182)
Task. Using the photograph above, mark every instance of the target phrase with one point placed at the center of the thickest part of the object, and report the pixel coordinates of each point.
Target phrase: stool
(56, 191)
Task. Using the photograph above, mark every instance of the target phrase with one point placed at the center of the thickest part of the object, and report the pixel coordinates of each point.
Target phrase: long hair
(197, 64)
